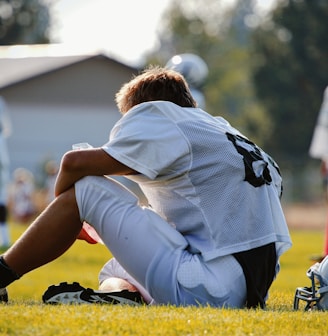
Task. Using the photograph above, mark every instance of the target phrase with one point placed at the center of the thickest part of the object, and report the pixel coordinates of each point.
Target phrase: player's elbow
(70, 162)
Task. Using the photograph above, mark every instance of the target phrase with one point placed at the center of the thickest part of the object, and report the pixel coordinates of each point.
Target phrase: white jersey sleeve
(152, 148)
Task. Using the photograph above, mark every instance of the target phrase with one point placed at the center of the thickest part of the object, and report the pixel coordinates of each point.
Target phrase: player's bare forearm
(95, 162)
(64, 182)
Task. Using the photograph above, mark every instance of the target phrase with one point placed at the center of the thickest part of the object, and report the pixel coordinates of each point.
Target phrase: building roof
(22, 62)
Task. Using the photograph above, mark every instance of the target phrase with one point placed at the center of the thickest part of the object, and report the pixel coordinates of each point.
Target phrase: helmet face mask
(308, 295)
(316, 296)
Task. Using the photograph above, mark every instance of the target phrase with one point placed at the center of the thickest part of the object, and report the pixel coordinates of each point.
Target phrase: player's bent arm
(95, 161)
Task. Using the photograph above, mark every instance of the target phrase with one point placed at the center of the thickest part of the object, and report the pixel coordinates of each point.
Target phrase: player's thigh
(143, 243)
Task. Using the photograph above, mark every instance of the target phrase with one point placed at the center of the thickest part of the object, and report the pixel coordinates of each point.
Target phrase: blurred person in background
(324, 174)
(5, 131)
(21, 196)
(319, 150)
(194, 69)
(51, 170)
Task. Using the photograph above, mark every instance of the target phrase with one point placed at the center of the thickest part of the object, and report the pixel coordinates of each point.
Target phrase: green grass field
(26, 315)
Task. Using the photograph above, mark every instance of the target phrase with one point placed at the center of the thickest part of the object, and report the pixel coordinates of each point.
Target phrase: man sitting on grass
(214, 228)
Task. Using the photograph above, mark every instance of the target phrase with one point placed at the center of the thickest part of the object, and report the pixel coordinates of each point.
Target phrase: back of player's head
(155, 83)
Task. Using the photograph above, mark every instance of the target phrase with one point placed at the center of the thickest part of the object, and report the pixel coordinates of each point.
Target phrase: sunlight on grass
(82, 263)
(26, 315)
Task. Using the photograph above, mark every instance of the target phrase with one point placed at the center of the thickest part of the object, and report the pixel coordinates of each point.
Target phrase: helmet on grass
(315, 297)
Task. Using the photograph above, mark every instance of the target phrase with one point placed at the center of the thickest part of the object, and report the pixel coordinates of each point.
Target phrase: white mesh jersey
(203, 177)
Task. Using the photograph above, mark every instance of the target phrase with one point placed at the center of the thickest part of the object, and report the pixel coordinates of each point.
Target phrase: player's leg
(146, 246)
(48, 237)
(155, 254)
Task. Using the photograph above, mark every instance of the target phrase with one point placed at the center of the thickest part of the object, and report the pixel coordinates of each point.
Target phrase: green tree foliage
(24, 22)
(290, 72)
(218, 34)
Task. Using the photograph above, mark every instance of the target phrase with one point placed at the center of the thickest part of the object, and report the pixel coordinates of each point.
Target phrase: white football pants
(155, 254)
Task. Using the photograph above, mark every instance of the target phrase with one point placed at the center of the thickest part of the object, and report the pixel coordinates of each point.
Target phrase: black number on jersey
(257, 172)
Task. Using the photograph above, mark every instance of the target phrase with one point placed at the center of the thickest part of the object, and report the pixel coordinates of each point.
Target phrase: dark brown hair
(155, 83)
